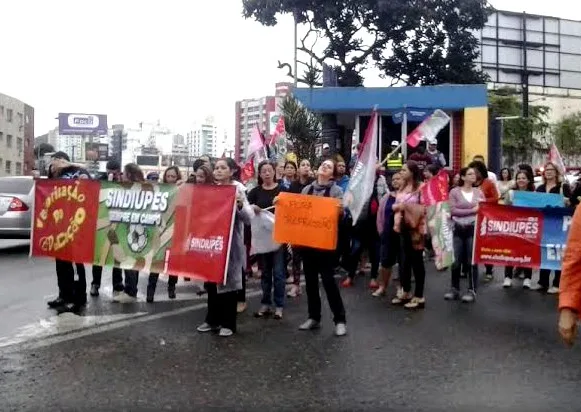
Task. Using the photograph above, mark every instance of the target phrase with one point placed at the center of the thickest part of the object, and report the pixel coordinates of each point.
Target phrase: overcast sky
(172, 60)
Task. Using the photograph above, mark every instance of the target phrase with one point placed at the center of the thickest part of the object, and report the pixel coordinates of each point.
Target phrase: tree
(520, 136)
(414, 42)
(567, 133)
(42, 149)
(303, 128)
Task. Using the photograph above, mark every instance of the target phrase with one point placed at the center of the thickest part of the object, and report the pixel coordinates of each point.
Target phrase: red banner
(201, 240)
(505, 236)
(65, 216)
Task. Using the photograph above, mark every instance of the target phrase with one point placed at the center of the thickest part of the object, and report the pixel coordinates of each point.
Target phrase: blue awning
(390, 99)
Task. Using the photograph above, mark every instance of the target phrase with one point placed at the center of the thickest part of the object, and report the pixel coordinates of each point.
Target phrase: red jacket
(489, 190)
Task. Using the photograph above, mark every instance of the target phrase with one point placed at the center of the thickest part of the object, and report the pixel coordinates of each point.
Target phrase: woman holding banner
(552, 183)
(464, 202)
(318, 262)
(273, 269)
(172, 176)
(524, 182)
(222, 299)
(303, 180)
(409, 221)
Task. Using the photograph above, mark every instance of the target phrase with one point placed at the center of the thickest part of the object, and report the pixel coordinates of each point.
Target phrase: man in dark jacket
(72, 295)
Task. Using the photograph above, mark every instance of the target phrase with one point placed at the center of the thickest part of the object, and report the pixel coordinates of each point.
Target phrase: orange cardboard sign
(310, 221)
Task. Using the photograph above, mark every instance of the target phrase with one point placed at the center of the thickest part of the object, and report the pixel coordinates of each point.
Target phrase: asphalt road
(502, 353)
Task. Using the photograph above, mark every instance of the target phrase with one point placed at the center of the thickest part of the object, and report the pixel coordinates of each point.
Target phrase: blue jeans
(273, 272)
(463, 241)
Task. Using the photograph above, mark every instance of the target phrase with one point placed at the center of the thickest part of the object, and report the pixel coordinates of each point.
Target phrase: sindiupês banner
(521, 236)
(140, 226)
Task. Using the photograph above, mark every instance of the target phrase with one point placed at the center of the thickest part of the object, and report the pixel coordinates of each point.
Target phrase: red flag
(279, 130)
(556, 159)
(256, 142)
(200, 244)
(362, 179)
(429, 128)
(247, 170)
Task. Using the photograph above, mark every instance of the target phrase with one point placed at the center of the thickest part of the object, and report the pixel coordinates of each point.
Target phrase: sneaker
(310, 324)
(553, 290)
(69, 308)
(539, 288)
(205, 327)
(489, 277)
(454, 294)
(401, 298)
(469, 297)
(373, 284)
(507, 283)
(116, 295)
(526, 284)
(379, 292)
(56, 303)
(415, 303)
(94, 290)
(347, 282)
(171, 293)
(225, 332)
(241, 307)
(263, 312)
(294, 291)
(278, 314)
(340, 329)
(125, 298)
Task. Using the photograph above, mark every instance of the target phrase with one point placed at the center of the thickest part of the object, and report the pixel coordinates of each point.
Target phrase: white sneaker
(294, 291)
(526, 284)
(205, 327)
(125, 298)
(340, 329)
(553, 290)
(309, 325)
(116, 295)
(225, 332)
(507, 283)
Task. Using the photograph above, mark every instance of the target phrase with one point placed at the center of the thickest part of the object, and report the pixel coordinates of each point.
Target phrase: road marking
(27, 343)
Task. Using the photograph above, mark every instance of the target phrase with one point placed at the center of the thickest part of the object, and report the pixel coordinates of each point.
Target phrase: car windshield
(15, 185)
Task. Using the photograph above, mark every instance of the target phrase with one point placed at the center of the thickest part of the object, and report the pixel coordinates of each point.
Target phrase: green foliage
(303, 128)
(410, 41)
(520, 136)
(567, 133)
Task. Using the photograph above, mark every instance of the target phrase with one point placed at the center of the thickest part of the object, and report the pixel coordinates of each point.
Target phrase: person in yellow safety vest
(395, 161)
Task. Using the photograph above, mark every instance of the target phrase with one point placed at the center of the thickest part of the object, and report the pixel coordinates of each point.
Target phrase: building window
(18, 170)
(8, 140)
(19, 144)
(1, 112)
(0, 163)
(9, 114)
(8, 169)
(20, 119)
(1, 137)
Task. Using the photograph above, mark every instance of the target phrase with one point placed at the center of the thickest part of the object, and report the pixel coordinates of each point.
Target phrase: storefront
(402, 109)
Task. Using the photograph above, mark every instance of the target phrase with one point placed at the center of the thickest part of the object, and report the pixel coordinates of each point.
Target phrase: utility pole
(525, 70)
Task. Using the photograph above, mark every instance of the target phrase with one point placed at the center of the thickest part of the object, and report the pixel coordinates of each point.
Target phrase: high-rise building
(261, 111)
(540, 56)
(16, 137)
(207, 138)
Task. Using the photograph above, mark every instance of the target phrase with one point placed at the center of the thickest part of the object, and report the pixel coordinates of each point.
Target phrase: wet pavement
(502, 353)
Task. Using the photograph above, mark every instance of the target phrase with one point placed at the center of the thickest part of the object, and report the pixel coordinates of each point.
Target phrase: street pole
(525, 71)
(296, 62)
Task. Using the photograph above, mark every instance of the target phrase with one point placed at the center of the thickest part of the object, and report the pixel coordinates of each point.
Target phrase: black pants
(241, 294)
(117, 278)
(413, 260)
(544, 276)
(68, 290)
(221, 308)
(315, 263)
(509, 271)
(152, 283)
(344, 242)
(365, 237)
(463, 240)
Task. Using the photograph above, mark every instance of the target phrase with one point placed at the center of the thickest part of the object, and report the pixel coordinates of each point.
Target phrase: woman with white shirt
(464, 200)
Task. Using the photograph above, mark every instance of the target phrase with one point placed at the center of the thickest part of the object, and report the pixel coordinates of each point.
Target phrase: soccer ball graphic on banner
(136, 238)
